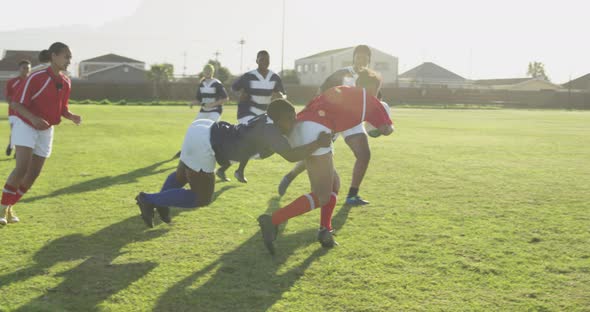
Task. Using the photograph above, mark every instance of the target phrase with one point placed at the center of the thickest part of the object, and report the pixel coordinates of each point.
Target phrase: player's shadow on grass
(98, 183)
(247, 278)
(96, 278)
(93, 280)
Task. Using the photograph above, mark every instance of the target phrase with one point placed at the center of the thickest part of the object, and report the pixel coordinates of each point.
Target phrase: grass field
(479, 210)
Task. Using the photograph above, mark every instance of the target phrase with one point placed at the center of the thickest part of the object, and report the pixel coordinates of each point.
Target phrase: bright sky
(475, 39)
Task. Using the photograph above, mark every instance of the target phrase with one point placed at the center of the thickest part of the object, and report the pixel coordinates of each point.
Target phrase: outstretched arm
(301, 152)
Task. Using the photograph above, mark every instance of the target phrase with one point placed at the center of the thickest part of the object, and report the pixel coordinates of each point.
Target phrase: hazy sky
(475, 39)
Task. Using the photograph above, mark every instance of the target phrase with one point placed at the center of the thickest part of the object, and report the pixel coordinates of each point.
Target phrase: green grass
(470, 210)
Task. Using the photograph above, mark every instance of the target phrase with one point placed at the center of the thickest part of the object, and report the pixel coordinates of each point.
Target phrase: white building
(313, 70)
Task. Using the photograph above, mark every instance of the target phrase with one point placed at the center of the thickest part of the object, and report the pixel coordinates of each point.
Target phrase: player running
(336, 110)
(12, 86)
(355, 137)
(257, 89)
(40, 104)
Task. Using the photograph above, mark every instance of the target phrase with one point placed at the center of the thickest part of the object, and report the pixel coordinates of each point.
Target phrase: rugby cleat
(146, 209)
(269, 232)
(356, 201)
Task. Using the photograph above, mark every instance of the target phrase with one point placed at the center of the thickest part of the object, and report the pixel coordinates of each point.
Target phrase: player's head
(369, 80)
(208, 71)
(282, 114)
(24, 68)
(58, 54)
(361, 57)
(263, 59)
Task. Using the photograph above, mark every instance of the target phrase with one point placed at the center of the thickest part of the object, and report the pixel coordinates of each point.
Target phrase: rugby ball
(371, 130)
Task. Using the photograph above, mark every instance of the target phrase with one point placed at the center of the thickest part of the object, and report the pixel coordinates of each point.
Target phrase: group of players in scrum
(267, 124)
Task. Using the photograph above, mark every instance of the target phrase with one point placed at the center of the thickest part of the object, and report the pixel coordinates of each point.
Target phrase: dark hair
(55, 48)
(368, 79)
(362, 49)
(24, 62)
(262, 52)
(279, 108)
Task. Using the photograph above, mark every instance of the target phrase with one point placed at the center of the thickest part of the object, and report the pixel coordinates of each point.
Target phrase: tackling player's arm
(281, 146)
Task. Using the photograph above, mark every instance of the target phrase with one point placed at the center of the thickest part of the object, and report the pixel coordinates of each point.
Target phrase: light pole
(242, 42)
(184, 65)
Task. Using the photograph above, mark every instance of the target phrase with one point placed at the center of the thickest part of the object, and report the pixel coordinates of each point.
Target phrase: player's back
(338, 108)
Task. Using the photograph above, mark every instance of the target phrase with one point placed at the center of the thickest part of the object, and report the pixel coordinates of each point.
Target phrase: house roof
(548, 84)
(327, 53)
(582, 82)
(20, 53)
(430, 71)
(500, 82)
(12, 57)
(113, 67)
(111, 58)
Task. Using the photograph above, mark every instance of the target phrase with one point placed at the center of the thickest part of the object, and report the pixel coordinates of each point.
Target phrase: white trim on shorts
(360, 128)
(12, 120)
(197, 152)
(41, 141)
(305, 132)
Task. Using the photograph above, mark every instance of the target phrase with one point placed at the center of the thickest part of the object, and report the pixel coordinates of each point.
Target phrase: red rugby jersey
(341, 108)
(45, 95)
(12, 87)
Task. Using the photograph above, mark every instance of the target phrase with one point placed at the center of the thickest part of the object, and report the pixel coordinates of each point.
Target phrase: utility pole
(242, 42)
(217, 54)
(184, 65)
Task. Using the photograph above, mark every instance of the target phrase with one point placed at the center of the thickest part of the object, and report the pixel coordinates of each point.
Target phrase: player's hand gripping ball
(371, 130)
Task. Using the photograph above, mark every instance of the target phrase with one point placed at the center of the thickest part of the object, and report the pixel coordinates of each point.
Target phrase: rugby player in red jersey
(12, 86)
(40, 104)
(336, 110)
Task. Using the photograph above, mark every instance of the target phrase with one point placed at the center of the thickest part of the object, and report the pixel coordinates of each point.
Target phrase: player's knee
(336, 184)
(20, 173)
(323, 199)
(363, 155)
(200, 202)
(33, 174)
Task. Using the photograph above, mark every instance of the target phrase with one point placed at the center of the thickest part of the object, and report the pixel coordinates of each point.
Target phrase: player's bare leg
(359, 144)
(289, 177)
(321, 173)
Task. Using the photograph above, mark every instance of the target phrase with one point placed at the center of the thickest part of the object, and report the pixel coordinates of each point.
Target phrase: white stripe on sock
(9, 192)
(311, 202)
